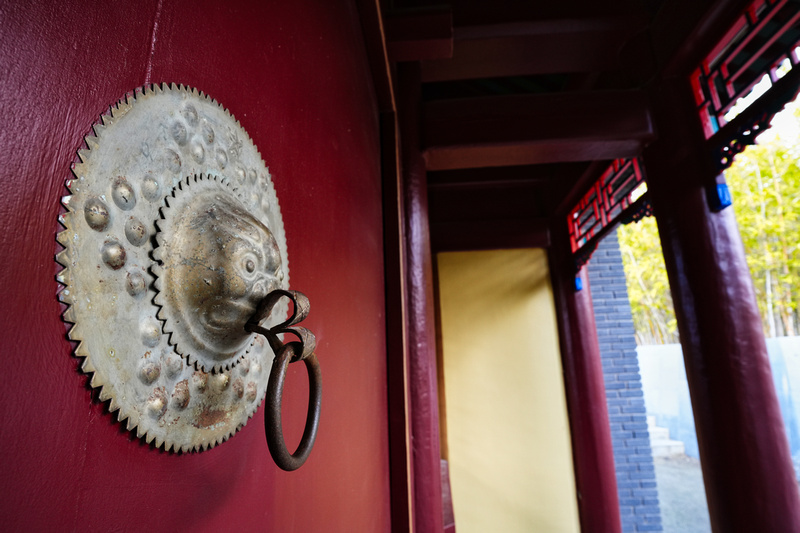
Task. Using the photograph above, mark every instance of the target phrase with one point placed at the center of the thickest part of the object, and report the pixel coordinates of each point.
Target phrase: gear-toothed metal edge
(64, 258)
(174, 337)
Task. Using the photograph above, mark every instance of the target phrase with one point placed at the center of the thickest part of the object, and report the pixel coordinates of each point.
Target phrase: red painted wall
(295, 74)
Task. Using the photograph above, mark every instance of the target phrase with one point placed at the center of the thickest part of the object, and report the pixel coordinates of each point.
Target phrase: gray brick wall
(636, 478)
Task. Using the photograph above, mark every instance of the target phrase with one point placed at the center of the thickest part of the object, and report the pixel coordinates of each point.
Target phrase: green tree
(765, 182)
(648, 288)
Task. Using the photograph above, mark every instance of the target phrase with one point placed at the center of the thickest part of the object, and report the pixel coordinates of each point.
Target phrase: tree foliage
(765, 183)
(648, 288)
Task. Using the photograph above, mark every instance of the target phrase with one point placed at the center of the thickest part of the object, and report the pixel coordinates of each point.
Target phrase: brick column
(636, 479)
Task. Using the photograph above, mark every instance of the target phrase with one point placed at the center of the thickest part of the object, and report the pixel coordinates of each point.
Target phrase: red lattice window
(604, 203)
(758, 50)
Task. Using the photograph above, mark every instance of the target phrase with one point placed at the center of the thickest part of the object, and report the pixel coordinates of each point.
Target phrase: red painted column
(744, 452)
(592, 451)
(420, 319)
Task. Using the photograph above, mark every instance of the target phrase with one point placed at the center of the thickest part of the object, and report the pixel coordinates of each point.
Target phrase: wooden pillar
(420, 318)
(592, 450)
(744, 452)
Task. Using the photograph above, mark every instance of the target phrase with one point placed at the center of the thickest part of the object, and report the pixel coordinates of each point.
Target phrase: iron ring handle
(272, 413)
(300, 350)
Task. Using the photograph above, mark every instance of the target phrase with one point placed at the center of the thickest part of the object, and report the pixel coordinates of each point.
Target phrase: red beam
(535, 129)
(541, 47)
(420, 35)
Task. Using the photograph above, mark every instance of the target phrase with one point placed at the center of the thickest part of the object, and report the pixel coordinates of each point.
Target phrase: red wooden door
(294, 73)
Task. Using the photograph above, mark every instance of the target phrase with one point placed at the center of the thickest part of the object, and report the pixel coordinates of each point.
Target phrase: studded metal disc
(154, 154)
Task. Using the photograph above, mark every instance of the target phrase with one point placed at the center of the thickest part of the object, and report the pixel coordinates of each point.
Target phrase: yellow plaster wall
(507, 429)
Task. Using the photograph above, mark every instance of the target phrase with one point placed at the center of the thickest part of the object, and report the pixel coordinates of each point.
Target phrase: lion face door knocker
(176, 275)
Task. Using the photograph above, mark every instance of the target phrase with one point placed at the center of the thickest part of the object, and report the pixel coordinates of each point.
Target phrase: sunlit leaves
(765, 181)
(648, 288)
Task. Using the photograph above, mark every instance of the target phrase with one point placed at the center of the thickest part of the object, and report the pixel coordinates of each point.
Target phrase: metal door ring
(301, 349)
(272, 412)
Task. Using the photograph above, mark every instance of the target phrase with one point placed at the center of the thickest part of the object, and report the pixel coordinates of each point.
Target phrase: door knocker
(176, 275)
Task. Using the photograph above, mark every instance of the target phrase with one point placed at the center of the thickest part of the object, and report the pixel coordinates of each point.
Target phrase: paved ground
(681, 494)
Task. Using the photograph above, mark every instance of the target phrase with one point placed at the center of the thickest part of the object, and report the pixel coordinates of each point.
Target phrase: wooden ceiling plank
(496, 183)
(534, 129)
(473, 203)
(490, 234)
(528, 153)
(523, 174)
(529, 48)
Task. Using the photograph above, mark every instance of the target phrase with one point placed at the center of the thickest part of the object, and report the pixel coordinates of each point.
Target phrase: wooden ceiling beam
(534, 129)
(474, 13)
(466, 185)
(540, 47)
(478, 177)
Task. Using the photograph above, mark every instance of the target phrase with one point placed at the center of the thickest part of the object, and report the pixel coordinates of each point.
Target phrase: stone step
(658, 433)
(660, 443)
(666, 448)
